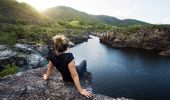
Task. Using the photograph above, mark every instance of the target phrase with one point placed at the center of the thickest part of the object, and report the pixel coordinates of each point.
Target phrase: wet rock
(42, 50)
(35, 60)
(78, 38)
(23, 48)
(165, 53)
(30, 86)
(6, 54)
(3, 47)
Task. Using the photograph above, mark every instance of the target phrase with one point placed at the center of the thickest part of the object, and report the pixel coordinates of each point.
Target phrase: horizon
(150, 11)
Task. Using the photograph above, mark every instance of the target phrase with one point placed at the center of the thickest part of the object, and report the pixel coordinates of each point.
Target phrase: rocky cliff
(30, 85)
(27, 55)
(153, 37)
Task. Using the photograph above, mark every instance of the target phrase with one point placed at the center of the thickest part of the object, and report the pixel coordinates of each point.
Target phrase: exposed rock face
(76, 39)
(23, 55)
(29, 56)
(147, 38)
(165, 53)
(31, 86)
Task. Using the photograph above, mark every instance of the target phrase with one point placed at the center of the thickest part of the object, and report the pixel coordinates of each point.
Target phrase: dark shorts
(81, 68)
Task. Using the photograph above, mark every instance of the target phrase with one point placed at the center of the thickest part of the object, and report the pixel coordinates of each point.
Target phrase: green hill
(13, 12)
(70, 14)
(22, 21)
(67, 14)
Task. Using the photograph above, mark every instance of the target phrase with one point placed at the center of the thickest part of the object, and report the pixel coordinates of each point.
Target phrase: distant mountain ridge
(12, 11)
(70, 14)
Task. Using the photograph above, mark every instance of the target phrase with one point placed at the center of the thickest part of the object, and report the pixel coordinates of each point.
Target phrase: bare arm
(76, 80)
(49, 71)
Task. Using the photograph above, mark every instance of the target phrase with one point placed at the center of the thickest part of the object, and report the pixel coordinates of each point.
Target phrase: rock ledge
(29, 85)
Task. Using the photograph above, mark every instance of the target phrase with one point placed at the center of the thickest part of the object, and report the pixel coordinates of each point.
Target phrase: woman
(64, 62)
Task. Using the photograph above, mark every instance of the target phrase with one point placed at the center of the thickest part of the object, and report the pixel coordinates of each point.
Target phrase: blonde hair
(61, 43)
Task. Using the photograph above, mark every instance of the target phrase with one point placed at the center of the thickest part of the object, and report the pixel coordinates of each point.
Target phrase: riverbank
(145, 37)
(29, 84)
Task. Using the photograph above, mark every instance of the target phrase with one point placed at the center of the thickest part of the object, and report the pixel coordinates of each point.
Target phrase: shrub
(7, 38)
(8, 70)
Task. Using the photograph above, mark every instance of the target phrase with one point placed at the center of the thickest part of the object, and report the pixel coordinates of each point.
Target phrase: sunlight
(122, 9)
(40, 5)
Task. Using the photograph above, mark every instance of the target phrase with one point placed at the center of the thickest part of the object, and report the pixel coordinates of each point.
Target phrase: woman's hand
(76, 80)
(86, 93)
(49, 71)
(45, 77)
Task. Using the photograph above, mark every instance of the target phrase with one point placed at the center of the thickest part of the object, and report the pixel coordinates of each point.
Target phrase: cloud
(166, 20)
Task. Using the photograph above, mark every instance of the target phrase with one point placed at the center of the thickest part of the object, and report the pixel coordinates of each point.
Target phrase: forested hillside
(62, 13)
(14, 12)
(20, 21)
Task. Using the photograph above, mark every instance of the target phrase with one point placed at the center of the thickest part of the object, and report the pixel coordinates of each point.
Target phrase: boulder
(145, 37)
(165, 53)
(24, 55)
(30, 85)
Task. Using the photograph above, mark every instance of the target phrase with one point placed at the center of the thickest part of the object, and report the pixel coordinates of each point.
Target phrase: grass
(8, 70)
(74, 23)
(7, 38)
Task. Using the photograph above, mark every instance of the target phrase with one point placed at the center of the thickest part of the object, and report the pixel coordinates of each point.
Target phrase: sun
(40, 5)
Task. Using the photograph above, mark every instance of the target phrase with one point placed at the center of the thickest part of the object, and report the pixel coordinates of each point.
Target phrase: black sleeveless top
(61, 63)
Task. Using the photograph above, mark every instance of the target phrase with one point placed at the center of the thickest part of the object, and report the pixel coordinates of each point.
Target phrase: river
(131, 73)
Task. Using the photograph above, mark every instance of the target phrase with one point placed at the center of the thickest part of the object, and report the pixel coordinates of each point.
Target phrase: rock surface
(147, 38)
(27, 55)
(76, 39)
(165, 53)
(24, 55)
(31, 86)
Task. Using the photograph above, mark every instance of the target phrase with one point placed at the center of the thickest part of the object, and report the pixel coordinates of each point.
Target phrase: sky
(152, 11)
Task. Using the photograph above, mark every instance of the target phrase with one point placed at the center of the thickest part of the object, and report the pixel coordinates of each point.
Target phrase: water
(130, 73)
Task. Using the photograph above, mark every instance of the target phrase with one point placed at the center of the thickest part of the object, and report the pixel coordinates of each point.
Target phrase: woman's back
(64, 62)
(61, 62)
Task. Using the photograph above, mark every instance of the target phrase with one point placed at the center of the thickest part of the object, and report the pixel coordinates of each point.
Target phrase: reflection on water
(131, 73)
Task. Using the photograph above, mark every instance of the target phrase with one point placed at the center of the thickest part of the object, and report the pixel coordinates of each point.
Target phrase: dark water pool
(130, 73)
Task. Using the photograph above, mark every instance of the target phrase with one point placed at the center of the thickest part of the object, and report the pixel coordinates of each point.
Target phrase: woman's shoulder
(51, 53)
(69, 54)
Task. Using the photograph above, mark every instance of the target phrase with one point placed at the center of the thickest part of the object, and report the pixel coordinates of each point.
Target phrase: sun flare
(40, 5)
(122, 9)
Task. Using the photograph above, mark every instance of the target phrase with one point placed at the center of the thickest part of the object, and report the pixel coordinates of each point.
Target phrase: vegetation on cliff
(147, 37)
(8, 70)
(22, 21)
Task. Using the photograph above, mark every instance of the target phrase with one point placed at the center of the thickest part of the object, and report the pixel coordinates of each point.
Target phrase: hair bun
(57, 39)
(60, 43)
